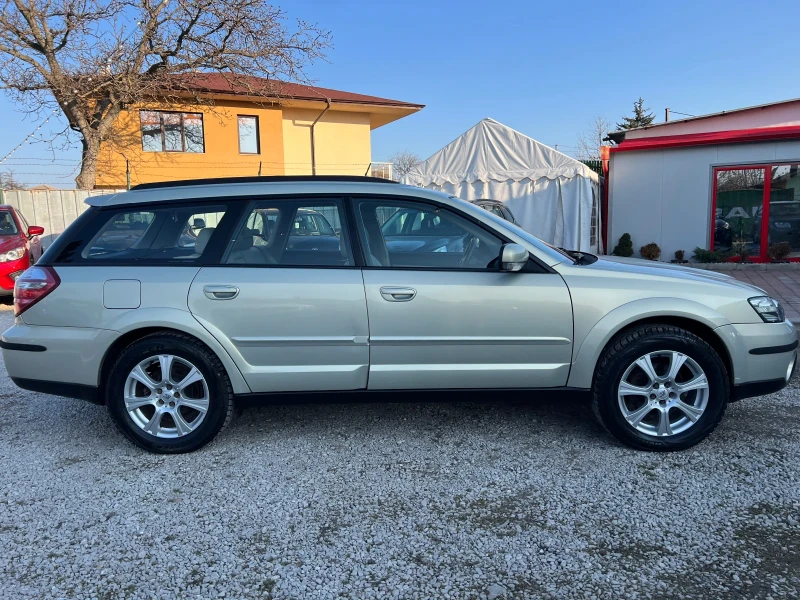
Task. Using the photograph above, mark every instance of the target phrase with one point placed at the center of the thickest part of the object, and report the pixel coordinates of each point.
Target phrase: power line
(81, 97)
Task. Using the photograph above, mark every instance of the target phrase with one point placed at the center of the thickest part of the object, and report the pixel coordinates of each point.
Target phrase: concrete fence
(52, 209)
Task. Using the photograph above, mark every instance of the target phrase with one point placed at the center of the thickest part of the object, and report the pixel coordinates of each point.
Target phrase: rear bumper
(90, 393)
(70, 356)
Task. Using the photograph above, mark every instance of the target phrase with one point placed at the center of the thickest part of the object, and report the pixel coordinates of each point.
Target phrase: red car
(20, 247)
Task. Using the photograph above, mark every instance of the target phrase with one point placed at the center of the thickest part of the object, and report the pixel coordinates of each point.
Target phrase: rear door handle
(398, 294)
(221, 292)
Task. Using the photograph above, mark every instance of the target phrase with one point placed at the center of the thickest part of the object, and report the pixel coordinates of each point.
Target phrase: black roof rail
(263, 179)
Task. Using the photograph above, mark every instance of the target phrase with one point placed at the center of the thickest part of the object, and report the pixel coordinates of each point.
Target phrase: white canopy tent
(552, 195)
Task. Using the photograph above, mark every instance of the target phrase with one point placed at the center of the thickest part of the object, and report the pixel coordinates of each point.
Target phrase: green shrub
(679, 255)
(650, 251)
(624, 247)
(708, 256)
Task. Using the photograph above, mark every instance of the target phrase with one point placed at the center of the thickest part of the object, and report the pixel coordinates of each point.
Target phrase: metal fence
(52, 209)
(595, 165)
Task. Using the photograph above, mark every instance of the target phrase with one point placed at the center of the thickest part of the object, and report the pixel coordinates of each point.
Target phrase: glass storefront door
(755, 208)
(739, 204)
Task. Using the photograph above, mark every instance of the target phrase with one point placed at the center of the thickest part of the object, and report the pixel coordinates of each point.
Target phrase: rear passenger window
(287, 233)
(174, 234)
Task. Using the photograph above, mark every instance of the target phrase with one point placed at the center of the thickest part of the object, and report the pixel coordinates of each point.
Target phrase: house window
(248, 135)
(172, 131)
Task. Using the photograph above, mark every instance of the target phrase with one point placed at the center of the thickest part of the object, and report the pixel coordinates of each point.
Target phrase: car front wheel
(660, 387)
(168, 393)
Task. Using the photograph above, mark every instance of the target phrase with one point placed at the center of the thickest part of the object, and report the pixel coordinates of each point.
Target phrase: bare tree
(403, 162)
(591, 139)
(8, 181)
(92, 58)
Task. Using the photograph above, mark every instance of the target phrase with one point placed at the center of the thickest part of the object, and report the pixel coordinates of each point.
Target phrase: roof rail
(263, 179)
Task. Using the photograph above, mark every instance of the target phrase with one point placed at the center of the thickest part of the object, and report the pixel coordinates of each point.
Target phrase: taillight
(33, 285)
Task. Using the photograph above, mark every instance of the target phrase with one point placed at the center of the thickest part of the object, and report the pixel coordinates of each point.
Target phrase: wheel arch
(133, 333)
(696, 318)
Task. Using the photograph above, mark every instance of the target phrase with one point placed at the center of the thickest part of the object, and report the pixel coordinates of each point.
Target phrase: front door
(288, 301)
(442, 316)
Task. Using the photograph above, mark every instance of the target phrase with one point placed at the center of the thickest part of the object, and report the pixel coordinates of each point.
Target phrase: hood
(667, 270)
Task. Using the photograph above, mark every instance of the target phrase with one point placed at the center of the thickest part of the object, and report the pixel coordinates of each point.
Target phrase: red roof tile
(242, 85)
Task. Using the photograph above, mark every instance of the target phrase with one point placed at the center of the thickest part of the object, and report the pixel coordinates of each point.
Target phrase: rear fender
(179, 320)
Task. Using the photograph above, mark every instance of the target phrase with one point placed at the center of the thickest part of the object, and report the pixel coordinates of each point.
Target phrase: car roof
(264, 186)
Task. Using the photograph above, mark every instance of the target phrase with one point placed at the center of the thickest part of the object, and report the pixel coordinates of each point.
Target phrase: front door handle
(221, 292)
(398, 294)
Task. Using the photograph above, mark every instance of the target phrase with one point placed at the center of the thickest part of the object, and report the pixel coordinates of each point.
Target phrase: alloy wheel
(166, 396)
(663, 393)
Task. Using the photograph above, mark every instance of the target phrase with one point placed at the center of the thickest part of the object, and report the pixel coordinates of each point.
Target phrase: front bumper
(763, 356)
(6, 269)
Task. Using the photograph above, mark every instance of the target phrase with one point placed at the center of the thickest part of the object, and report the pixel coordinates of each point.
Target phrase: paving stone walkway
(781, 284)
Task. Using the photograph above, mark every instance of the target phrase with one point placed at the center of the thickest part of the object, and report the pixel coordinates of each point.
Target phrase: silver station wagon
(169, 302)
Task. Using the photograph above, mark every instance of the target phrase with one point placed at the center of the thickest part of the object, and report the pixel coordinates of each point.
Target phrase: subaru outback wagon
(168, 302)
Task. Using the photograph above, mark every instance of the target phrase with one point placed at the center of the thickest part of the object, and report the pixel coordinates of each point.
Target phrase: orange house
(215, 127)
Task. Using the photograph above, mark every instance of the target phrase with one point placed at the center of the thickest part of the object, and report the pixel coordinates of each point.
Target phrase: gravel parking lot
(477, 498)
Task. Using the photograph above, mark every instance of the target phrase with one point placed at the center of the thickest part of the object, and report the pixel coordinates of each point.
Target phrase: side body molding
(589, 349)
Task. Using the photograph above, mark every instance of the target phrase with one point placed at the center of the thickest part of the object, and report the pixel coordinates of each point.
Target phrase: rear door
(288, 301)
(441, 314)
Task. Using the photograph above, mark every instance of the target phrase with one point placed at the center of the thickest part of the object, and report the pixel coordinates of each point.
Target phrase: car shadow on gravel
(526, 413)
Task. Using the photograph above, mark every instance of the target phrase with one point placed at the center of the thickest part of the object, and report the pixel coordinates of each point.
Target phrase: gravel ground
(477, 499)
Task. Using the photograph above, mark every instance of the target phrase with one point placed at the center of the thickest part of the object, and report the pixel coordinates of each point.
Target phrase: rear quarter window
(171, 234)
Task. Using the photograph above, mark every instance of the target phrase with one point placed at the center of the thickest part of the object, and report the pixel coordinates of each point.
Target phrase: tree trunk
(87, 178)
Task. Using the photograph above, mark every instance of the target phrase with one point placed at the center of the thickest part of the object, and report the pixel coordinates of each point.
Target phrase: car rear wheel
(660, 387)
(168, 393)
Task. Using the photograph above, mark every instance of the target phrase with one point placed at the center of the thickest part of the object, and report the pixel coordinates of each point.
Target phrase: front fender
(180, 320)
(594, 342)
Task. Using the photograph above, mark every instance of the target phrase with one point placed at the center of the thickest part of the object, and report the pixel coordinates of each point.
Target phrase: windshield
(789, 209)
(311, 224)
(7, 225)
(552, 251)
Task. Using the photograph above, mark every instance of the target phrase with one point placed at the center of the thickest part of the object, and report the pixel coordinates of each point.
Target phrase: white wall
(664, 196)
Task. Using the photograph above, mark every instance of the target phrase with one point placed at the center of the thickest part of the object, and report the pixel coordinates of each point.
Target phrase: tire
(214, 387)
(668, 343)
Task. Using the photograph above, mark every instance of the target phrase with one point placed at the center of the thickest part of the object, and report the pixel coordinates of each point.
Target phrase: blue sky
(545, 69)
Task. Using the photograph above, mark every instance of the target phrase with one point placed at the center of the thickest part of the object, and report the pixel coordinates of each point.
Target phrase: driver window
(423, 236)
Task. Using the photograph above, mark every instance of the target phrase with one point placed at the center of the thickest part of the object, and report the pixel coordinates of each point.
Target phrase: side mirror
(34, 230)
(513, 257)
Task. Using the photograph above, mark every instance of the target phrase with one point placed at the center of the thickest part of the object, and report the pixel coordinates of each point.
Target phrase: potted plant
(650, 251)
(679, 258)
(779, 252)
(624, 247)
(741, 250)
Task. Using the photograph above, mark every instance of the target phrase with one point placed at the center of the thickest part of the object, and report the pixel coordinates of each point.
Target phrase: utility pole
(128, 173)
(666, 115)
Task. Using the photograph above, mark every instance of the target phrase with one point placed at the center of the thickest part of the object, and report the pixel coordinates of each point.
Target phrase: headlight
(768, 309)
(782, 225)
(14, 254)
